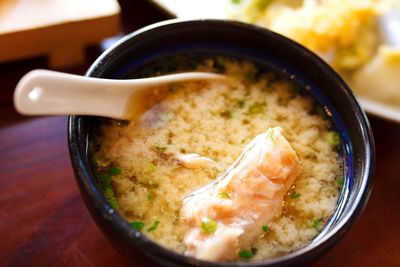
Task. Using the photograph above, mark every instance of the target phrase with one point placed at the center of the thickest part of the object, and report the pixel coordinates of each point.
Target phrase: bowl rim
(87, 181)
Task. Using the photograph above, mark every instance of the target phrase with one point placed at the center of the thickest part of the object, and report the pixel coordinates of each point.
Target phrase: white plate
(219, 9)
(195, 9)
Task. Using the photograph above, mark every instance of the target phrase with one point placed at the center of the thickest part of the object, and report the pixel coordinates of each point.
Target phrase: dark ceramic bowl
(265, 48)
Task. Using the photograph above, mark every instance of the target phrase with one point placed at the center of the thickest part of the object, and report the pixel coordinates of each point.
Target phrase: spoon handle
(44, 92)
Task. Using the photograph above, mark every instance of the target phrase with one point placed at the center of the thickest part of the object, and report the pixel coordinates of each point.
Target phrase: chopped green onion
(160, 148)
(153, 226)
(104, 178)
(223, 195)
(340, 183)
(105, 184)
(265, 228)
(236, 2)
(316, 224)
(208, 225)
(333, 138)
(114, 171)
(256, 108)
(113, 202)
(246, 254)
(241, 103)
(137, 225)
(150, 196)
(108, 193)
(152, 167)
(294, 195)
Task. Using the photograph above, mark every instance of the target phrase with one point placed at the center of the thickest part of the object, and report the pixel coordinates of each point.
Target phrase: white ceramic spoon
(44, 92)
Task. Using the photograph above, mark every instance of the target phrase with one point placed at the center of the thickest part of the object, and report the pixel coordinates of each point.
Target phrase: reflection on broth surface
(188, 134)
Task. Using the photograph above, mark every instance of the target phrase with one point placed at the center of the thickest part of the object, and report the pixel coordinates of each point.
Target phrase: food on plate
(380, 78)
(256, 138)
(346, 34)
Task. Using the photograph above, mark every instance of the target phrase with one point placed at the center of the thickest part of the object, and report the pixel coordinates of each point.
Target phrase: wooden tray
(60, 29)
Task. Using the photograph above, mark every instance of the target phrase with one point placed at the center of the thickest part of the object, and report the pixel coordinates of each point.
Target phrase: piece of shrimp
(227, 215)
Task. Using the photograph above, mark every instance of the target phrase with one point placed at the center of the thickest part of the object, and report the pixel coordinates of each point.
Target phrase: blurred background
(43, 218)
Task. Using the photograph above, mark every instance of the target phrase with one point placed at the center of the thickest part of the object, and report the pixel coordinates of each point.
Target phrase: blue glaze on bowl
(266, 49)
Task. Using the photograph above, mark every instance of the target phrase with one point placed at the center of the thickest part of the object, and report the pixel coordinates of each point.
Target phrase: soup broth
(139, 166)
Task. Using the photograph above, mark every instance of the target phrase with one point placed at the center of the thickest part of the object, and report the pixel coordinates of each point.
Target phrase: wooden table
(44, 222)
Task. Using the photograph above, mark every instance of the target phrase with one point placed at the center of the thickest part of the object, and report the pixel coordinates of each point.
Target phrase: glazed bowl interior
(265, 49)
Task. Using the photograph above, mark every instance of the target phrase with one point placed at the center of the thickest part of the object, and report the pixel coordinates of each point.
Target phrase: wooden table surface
(43, 220)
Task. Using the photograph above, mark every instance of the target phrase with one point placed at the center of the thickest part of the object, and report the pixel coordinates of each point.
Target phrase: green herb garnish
(241, 103)
(114, 171)
(113, 202)
(265, 228)
(236, 2)
(103, 177)
(137, 225)
(160, 148)
(151, 167)
(208, 225)
(109, 194)
(150, 196)
(316, 224)
(333, 138)
(105, 187)
(340, 183)
(294, 195)
(223, 195)
(256, 108)
(246, 254)
(153, 226)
